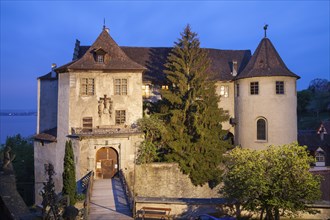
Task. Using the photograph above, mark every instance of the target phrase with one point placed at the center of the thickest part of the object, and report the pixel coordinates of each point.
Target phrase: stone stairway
(109, 201)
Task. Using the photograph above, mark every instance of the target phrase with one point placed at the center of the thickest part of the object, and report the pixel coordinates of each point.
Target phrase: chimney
(53, 73)
(322, 131)
(76, 50)
(234, 68)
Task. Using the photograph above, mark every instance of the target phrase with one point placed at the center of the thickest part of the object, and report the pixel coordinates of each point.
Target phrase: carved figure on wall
(100, 107)
(7, 157)
(106, 108)
(110, 107)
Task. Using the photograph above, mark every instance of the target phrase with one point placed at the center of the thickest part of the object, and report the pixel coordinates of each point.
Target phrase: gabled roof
(154, 58)
(265, 62)
(115, 58)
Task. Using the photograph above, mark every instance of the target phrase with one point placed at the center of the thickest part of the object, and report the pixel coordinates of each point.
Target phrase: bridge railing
(128, 192)
(87, 186)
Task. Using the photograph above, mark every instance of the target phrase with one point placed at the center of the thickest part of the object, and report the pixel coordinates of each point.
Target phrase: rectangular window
(224, 91)
(319, 157)
(88, 124)
(237, 89)
(87, 86)
(120, 86)
(100, 58)
(254, 88)
(146, 91)
(279, 87)
(120, 117)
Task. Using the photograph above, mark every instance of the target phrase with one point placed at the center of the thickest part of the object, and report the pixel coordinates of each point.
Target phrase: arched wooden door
(106, 162)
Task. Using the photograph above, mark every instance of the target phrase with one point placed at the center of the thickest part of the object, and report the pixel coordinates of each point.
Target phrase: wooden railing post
(88, 196)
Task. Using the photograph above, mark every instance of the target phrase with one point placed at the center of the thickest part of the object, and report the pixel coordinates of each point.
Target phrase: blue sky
(35, 34)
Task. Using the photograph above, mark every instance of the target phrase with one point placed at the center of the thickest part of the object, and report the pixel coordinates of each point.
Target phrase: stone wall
(166, 180)
(43, 154)
(164, 185)
(47, 104)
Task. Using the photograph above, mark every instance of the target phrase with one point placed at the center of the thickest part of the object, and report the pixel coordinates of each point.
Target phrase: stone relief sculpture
(7, 158)
(105, 106)
(100, 107)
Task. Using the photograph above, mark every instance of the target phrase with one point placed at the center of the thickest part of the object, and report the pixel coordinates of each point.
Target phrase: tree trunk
(269, 214)
(277, 214)
(238, 210)
(262, 214)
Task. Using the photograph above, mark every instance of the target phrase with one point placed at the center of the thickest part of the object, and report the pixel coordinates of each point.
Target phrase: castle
(96, 99)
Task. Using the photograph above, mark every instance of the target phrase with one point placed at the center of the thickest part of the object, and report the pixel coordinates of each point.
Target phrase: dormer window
(320, 157)
(99, 55)
(100, 58)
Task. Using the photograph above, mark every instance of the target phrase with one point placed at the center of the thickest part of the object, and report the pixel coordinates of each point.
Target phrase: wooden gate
(106, 163)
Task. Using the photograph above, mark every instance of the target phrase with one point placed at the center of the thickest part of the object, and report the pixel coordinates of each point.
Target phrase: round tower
(266, 100)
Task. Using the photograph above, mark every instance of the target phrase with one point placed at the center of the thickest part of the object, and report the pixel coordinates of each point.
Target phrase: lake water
(12, 125)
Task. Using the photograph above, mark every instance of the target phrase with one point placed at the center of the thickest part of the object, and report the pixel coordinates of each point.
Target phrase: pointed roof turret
(265, 62)
(113, 57)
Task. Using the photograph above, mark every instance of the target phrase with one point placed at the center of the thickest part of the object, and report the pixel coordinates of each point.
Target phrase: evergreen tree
(150, 150)
(191, 113)
(69, 174)
(49, 197)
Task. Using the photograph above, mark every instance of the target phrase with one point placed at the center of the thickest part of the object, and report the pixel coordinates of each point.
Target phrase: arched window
(261, 129)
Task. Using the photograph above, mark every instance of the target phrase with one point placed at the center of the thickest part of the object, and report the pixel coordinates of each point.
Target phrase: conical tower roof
(114, 56)
(265, 62)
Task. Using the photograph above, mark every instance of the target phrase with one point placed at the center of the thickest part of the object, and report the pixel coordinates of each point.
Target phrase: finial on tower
(265, 28)
(104, 27)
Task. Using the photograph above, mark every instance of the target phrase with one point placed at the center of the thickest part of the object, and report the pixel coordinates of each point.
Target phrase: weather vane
(265, 28)
(103, 23)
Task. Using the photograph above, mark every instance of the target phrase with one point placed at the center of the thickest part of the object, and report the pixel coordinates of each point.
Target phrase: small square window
(319, 156)
(88, 124)
(254, 88)
(279, 87)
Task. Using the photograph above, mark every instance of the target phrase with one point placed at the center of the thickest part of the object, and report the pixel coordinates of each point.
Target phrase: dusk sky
(35, 34)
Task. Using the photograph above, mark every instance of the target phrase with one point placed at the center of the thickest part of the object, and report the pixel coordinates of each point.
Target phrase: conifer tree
(69, 174)
(190, 110)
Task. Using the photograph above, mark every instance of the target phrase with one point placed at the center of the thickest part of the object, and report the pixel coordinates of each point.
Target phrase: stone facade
(278, 110)
(96, 100)
(94, 109)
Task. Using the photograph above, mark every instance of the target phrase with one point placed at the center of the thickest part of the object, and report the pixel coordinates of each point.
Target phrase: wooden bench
(154, 212)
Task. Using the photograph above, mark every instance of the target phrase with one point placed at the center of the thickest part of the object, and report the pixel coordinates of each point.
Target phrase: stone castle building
(96, 99)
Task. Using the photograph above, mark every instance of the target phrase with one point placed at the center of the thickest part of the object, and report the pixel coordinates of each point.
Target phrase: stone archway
(106, 163)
